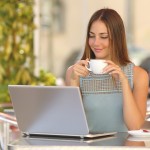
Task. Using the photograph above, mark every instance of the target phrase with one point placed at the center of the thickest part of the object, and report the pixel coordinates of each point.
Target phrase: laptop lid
(48, 110)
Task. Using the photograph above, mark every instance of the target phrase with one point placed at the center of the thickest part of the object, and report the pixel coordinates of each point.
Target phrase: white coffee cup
(97, 66)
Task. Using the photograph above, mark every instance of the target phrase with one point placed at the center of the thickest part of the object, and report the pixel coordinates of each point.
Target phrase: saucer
(139, 133)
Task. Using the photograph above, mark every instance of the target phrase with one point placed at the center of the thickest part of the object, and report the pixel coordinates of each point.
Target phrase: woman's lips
(97, 50)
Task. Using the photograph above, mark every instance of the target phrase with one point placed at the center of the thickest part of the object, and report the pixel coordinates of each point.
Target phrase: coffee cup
(96, 66)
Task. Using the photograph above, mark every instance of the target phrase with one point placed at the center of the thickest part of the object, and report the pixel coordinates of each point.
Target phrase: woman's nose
(97, 41)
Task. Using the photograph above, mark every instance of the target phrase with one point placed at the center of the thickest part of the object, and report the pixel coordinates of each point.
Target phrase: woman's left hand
(114, 70)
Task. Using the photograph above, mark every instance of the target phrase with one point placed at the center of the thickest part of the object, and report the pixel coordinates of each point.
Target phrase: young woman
(123, 85)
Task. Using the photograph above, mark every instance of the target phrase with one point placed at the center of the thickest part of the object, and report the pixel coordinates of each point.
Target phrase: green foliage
(16, 47)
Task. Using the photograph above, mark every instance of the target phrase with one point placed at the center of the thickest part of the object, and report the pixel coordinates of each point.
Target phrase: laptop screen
(50, 110)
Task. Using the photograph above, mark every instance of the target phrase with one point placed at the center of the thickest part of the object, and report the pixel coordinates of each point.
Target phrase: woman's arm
(134, 102)
(74, 72)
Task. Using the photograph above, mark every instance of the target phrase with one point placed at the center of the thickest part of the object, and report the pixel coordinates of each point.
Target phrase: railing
(148, 116)
(148, 109)
(6, 122)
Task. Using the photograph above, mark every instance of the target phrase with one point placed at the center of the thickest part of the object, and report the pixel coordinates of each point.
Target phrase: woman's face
(99, 40)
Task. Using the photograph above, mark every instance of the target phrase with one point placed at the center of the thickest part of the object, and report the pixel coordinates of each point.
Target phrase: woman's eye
(91, 36)
(104, 37)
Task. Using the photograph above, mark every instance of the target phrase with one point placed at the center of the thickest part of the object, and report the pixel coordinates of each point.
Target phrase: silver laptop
(50, 110)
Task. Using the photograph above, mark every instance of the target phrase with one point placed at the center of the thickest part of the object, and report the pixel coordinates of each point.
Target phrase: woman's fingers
(110, 68)
(114, 70)
(83, 62)
(80, 69)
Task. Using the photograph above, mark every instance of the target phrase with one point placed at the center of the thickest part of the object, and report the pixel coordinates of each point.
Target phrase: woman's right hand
(76, 71)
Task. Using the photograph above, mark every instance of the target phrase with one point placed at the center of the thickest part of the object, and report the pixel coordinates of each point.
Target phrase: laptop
(50, 110)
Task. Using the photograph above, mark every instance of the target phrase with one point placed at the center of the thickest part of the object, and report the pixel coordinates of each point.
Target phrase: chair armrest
(8, 118)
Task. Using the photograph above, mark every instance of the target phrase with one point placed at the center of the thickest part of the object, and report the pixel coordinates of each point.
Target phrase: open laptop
(50, 110)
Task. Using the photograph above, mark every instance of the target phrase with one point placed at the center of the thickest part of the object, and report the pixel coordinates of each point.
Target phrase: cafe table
(12, 139)
(118, 141)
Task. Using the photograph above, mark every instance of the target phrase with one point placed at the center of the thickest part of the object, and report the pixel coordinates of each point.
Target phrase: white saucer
(139, 133)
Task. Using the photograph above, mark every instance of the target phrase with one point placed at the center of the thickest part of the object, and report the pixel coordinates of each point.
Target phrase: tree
(16, 47)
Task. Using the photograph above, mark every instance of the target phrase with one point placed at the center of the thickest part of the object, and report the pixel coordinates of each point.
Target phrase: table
(117, 141)
(16, 141)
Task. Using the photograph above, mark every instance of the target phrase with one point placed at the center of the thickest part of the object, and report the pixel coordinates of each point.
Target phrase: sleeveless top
(103, 101)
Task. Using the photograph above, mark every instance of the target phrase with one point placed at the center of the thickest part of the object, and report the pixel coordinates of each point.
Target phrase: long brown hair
(117, 37)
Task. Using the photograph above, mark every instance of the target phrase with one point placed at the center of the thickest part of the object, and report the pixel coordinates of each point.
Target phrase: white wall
(77, 14)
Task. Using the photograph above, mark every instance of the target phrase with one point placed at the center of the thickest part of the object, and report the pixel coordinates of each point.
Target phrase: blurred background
(62, 27)
(60, 36)
(40, 39)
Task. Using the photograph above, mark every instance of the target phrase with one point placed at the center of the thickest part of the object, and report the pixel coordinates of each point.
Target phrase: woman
(122, 81)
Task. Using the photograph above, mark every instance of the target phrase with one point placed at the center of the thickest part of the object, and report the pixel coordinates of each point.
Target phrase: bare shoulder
(138, 71)
(140, 74)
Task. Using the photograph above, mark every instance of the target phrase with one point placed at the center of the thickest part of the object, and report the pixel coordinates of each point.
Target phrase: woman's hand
(76, 71)
(115, 71)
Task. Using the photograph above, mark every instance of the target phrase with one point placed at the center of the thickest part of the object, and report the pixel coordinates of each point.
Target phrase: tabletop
(117, 141)
(13, 139)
